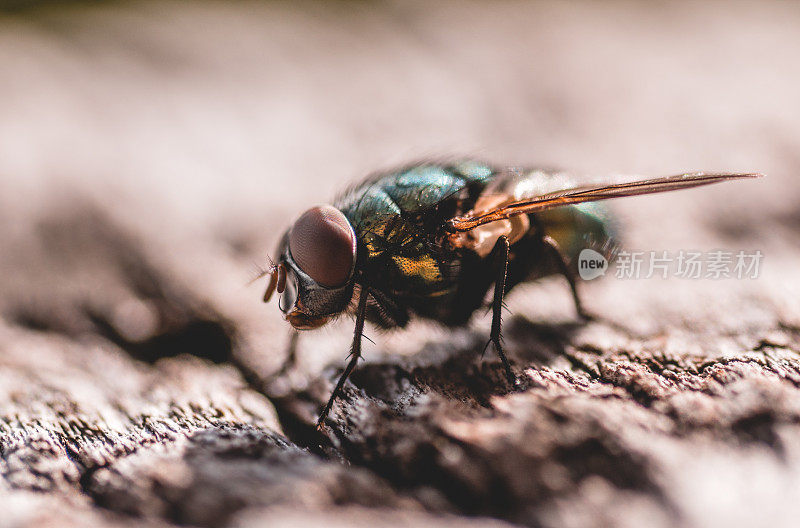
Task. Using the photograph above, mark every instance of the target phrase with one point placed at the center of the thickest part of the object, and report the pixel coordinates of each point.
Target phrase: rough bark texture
(151, 152)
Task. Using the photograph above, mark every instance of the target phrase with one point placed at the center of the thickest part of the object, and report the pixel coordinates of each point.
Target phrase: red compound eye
(323, 245)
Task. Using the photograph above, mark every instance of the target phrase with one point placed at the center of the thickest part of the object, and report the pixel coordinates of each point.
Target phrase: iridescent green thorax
(389, 215)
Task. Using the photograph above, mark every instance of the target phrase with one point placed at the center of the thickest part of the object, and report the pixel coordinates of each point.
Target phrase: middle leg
(500, 255)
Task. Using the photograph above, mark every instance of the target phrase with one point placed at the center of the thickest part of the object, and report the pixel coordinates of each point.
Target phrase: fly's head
(315, 269)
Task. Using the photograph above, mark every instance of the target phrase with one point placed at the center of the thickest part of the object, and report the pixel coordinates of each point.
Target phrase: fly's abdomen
(578, 227)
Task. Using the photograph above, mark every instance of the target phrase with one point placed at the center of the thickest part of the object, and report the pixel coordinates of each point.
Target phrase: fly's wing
(588, 193)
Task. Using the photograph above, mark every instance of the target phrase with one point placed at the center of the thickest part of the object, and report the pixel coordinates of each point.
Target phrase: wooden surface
(151, 152)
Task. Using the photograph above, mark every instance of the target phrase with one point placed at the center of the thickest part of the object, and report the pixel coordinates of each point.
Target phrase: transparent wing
(590, 193)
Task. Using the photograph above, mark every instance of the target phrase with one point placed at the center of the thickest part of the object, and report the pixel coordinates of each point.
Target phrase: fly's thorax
(399, 206)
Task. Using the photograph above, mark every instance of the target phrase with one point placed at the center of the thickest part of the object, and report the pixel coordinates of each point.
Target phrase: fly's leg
(355, 354)
(500, 253)
(563, 267)
(291, 355)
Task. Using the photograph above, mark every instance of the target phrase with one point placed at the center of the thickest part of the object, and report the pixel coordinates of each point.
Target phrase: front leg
(290, 360)
(500, 255)
(355, 354)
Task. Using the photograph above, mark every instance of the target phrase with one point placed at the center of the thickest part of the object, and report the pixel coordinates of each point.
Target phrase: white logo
(591, 264)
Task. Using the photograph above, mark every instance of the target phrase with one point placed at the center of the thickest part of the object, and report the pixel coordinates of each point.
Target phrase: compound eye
(323, 245)
(289, 294)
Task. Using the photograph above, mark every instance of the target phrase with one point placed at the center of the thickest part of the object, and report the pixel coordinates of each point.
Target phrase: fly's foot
(321, 424)
(510, 377)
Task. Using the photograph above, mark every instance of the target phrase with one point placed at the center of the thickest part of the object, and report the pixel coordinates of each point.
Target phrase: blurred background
(153, 152)
(202, 128)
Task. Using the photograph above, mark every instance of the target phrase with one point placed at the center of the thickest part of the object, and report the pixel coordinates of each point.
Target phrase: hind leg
(552, 247)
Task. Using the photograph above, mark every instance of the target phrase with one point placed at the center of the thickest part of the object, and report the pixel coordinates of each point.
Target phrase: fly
(430, 240)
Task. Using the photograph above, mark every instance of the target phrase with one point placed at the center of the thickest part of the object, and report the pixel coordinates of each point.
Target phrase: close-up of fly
(430, 240)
